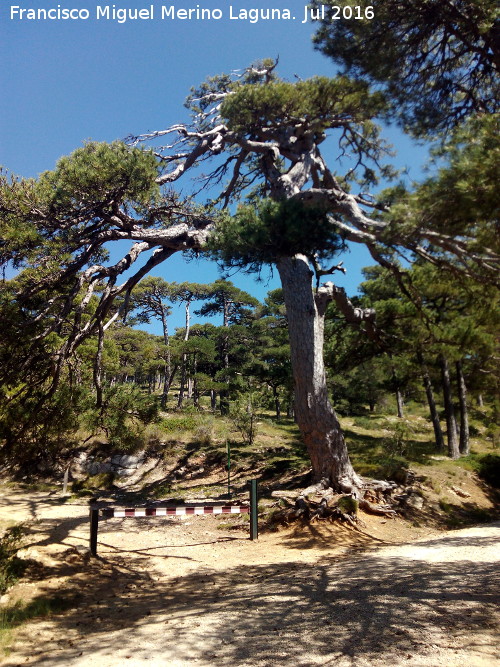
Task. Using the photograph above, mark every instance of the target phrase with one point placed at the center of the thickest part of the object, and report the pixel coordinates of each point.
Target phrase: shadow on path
(362, 611)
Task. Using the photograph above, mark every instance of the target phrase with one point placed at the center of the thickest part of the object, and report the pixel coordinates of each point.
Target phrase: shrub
(122, 418)
(11, 567)
(489, 469)
(243, 415)
(397, 443)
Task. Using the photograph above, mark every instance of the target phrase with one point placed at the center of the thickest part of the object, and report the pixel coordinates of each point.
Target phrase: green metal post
(254, 524)
(228, 447)
(94, 527)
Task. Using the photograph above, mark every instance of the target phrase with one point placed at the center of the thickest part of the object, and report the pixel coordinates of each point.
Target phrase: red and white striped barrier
(114, 512)
(179, 510)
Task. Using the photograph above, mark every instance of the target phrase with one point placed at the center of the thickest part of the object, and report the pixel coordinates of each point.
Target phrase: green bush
(11, 567)
(124, 414)
(489, 469)
(398, 442)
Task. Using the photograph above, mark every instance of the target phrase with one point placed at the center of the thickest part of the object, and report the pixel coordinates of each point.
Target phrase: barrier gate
(174, 510)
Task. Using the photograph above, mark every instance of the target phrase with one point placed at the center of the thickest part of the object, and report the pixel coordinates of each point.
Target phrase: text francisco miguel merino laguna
(163, 12)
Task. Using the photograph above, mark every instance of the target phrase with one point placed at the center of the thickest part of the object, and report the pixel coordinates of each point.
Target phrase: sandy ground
(176, 592)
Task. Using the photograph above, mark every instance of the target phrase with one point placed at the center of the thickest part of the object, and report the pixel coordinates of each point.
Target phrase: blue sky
(65, 81)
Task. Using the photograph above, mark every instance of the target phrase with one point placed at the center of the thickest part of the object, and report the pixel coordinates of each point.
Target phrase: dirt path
(172, 592)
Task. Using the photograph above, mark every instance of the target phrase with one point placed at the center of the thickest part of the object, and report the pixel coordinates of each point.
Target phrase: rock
(80, 549)
(285, 494)
(410, 499)
(416, 501)
(127, 460)
(460, 492)
(120, 464)
(98, 467)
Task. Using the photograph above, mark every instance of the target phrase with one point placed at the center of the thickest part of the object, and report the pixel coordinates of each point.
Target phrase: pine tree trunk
(315, 416)
(213, 399)
(400, 403)
(464, 444)
(182, 387)
(397, 391)
(98, 367)
(436, 424)
(451, 424)
(224, 393)
(277, 403)
(168, 361)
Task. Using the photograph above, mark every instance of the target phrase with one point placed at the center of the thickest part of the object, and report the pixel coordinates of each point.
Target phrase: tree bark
(182, 387)
(213, 400)
(277, 403)
(464, 444)
(224, 393)
(168, 361)
(451, 424)
(436, 424)
(400, 403)
(98, 366)
(315, 415)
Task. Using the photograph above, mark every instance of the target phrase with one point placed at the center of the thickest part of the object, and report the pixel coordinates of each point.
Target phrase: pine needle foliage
(260, 234)
(316, 100)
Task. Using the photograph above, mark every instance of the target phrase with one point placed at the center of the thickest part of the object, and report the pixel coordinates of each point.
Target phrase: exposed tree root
(379, 510)
(320, 501)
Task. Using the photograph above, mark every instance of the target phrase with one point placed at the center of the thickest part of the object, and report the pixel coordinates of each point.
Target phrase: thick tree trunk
(315, 416)
(451, 424)
(464, 444)
(436, 424)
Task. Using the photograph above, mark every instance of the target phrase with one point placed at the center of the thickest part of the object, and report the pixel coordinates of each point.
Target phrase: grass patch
(180, 423)
(13, 616)
(102, 481)
(162, 490)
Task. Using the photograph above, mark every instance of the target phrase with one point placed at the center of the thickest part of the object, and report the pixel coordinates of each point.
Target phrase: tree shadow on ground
(362, 611)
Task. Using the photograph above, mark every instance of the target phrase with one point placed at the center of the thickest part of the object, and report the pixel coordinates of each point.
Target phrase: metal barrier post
(254, 525)
(94, 527)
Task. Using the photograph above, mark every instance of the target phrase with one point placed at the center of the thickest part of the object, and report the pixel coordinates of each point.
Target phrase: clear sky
(65, 81)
